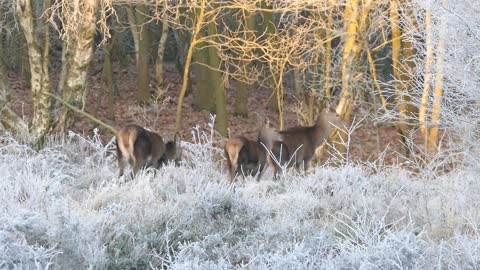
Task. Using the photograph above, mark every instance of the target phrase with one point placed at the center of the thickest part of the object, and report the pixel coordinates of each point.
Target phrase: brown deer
(173, 151)
(297, 145)
(249, 157)
(144, 148)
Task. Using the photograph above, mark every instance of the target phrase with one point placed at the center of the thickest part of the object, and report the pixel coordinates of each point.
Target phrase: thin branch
(89, 116)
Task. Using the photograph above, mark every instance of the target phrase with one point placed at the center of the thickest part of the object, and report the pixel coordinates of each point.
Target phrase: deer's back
(146, 143)
(301, 138)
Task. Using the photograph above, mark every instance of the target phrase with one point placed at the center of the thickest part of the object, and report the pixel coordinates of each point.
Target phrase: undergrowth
(65, 208)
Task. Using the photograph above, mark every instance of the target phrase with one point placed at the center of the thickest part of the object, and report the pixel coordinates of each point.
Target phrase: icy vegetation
(64, 208)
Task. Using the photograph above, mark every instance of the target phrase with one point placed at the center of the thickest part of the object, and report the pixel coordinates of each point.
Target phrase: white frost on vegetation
(64, 208)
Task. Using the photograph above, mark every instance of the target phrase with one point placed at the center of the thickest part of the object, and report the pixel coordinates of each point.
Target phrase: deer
(143, 148)
(249, 157)
(296, 146)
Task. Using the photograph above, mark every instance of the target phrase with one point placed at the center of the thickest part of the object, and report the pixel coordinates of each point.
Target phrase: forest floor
(367, 141)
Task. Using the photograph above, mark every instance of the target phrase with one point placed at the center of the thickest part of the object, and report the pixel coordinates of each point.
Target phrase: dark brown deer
(144, 148)
(173, 151)
(297, 145)
(249, 157)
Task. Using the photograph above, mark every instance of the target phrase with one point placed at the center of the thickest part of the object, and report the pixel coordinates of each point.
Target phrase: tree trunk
(120, 50)
(311, 108)
(218, 84)
(22, 53)
(135, 29)
(402, 98)
(9, 120)
(79, 56)
(188, 60)
(409, 53)
(298, 79)
(108, 75)
(432, 140)
(38, 60)
(427, 79)
(241, 91)
(328, 51)
(351, 52)
(431, 136)
(143, 57)
(241, 99)
(373, 71)
(160, 87)
(279, 95)
(204, 95)
(180, 57)
(269, 26)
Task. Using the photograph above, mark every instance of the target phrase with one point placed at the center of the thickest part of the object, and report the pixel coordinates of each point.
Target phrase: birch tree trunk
(351, 51)
(431, 136)
(328, 50)
(160, 87)
(356, 19)
(135, 29)
(432, 139)
(427, 79)
(108, 75)
(79, 56)
(38, 60)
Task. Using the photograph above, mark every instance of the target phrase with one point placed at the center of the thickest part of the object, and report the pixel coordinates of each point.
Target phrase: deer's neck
(321, 131)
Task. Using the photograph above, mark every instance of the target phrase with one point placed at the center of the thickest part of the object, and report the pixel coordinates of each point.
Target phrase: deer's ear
(177, 139)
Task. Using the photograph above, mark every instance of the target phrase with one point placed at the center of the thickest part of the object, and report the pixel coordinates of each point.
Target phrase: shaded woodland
(390, 59)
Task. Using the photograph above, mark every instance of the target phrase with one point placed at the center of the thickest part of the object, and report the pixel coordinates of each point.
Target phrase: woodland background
(396, 62)
(401, 191)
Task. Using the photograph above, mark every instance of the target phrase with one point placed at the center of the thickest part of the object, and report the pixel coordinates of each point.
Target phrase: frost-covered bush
(64, 208)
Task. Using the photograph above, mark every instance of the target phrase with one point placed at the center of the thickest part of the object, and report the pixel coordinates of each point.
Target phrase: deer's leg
(242, 170)
(121, 166)
(121, 162)
(233, 170)
(138, 165)
(262, 170)
(305, 166)
(275, 167)
(301, 167)
(298, 166)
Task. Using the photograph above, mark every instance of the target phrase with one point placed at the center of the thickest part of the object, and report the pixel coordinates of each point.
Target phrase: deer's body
(248, 157)
(144, 148)
(297, 145)
(244, 157)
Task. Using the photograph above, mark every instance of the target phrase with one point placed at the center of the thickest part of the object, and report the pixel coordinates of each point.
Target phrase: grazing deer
(297, 144)
(143, 148)
(248, 157)
(173, 151)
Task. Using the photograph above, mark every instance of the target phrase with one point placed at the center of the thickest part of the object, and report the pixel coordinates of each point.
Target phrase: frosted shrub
(202, 153)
